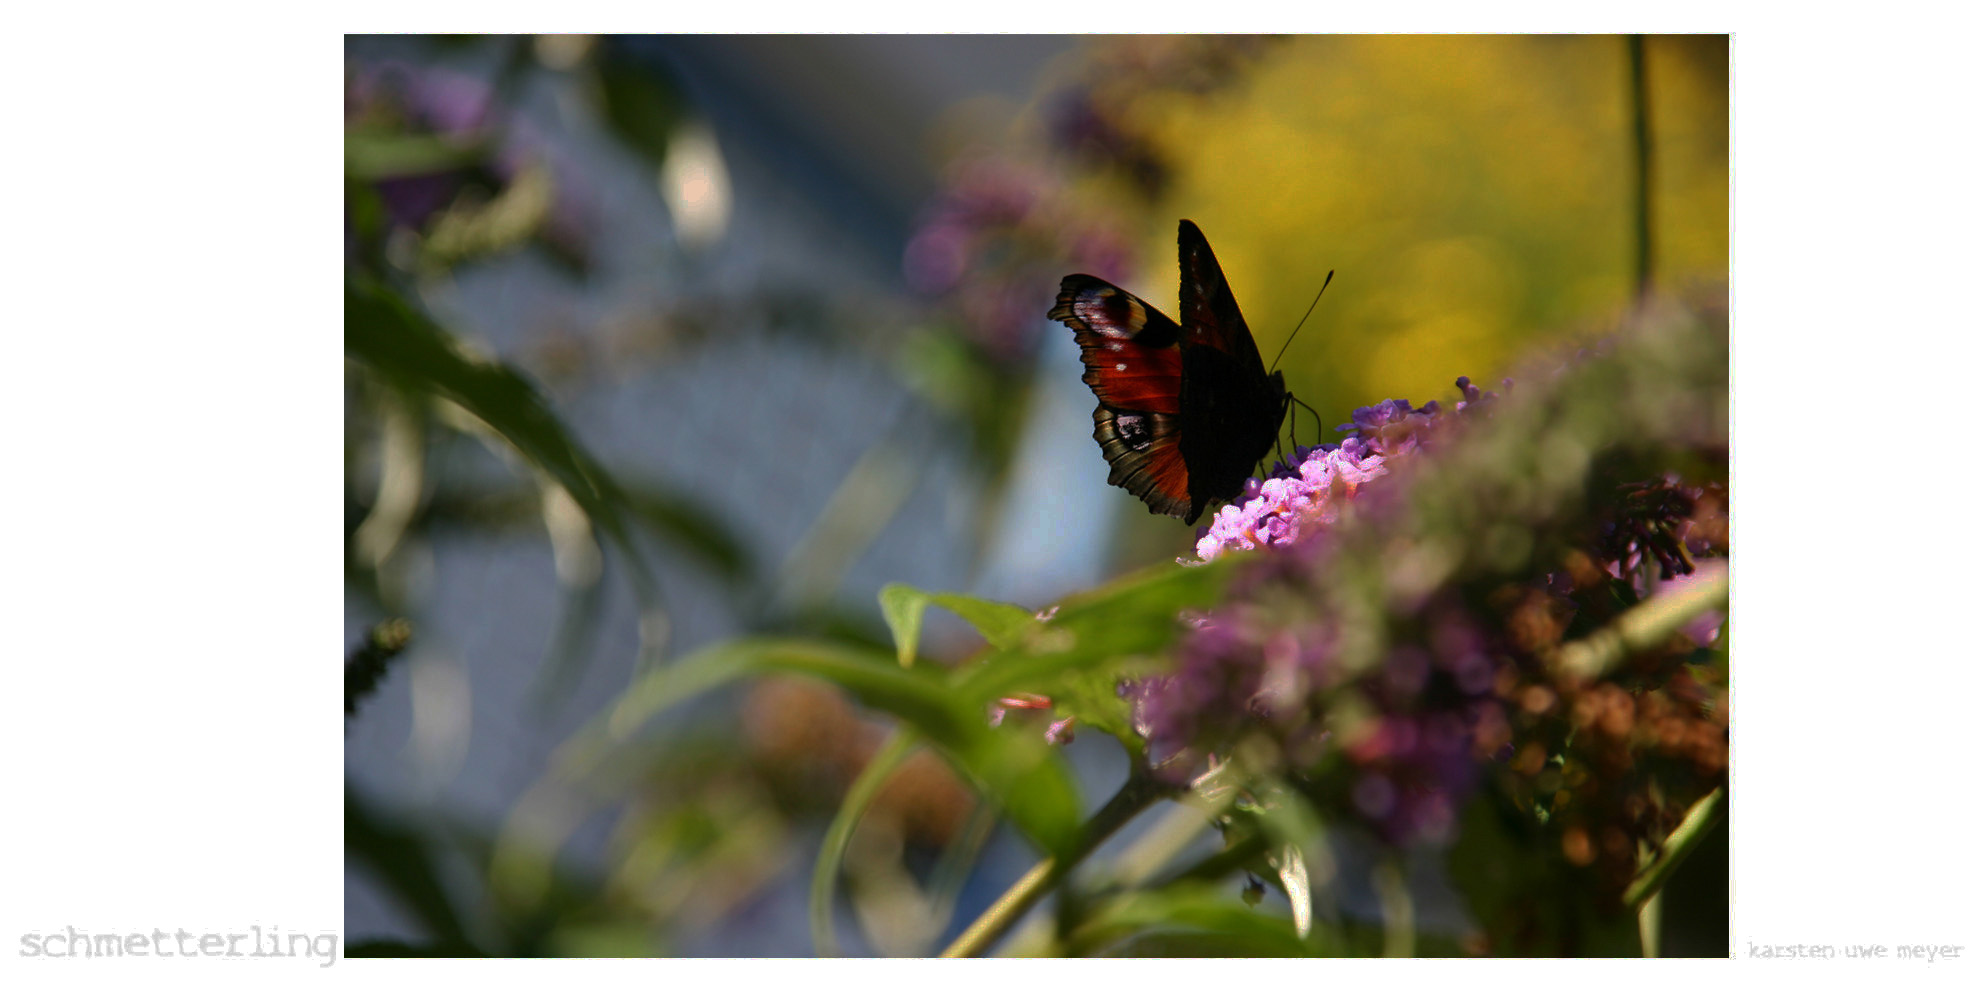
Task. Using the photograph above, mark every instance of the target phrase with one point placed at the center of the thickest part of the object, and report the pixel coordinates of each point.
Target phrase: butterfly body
(1185, 409)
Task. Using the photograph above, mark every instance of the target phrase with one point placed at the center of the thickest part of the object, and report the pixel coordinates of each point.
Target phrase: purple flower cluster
(1293, 503)
(1650, 524)
(1394, 666)
(1234, 673)
(1296, 502)
(1430, 716)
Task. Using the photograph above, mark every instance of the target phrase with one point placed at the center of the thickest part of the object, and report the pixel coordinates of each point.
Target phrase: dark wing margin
(1206, 308)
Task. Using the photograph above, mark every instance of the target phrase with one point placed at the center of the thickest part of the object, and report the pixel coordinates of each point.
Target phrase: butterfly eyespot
(1133, 429)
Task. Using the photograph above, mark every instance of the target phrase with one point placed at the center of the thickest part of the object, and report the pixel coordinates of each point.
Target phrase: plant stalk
(1135, 795)
(1682, 842)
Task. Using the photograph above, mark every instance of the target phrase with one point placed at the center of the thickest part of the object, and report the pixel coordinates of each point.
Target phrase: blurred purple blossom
(1004, 229)
(995, 236)
(1649, 525)
(399, 97)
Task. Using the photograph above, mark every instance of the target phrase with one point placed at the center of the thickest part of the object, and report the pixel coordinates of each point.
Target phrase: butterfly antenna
(1299, 323)
(1312, 413)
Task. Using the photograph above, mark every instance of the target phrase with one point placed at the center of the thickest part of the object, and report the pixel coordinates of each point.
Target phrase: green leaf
(692, 527)
(902, 610)
(1003, 625)
(1091, 697)
(639, 107)
(409, 868)
(470, 229)
(406, 348)
(374, 155)
(1103, 629)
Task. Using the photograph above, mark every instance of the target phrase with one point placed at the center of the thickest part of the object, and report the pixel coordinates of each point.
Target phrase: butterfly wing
(1133, 363)
(1206, 308)
(1229, 405)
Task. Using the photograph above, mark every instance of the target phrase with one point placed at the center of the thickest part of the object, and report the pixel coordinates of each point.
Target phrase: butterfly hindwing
(1144, 457)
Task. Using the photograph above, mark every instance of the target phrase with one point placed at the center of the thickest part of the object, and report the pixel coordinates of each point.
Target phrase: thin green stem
(1188, 819)
(1135, 795)
(1682, 842)
(1643, 169)
(1394, 907)
(866, 786)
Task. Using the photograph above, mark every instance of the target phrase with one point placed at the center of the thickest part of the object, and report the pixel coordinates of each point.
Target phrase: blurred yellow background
(1475, 195)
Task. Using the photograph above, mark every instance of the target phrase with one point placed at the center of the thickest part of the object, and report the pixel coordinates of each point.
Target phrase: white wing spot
(1120, 367)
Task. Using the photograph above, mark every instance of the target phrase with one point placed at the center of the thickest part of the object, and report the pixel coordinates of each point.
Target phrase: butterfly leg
(1312, 413)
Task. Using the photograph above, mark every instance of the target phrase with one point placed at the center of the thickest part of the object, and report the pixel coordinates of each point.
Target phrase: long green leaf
(405, 347)
(389, 154)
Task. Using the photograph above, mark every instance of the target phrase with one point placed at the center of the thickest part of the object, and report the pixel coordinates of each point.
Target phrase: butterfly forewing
(1129, 350)
(1206, 307)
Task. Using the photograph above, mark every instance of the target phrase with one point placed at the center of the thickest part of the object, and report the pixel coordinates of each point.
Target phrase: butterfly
(1185, 410)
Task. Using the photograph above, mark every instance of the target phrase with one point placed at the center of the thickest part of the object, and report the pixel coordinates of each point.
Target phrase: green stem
(1682, 842)
(867, 785)
(1135, 795)
(1643, 627)
(1643, 172)
(1394, 906)
(1650, 927)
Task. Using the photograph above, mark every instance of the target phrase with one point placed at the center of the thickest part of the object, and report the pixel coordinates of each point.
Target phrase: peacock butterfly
(1184, 413)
